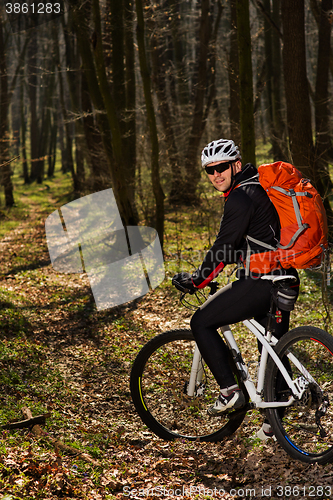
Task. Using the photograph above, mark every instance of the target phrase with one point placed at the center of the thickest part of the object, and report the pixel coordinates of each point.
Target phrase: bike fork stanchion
(196, 372)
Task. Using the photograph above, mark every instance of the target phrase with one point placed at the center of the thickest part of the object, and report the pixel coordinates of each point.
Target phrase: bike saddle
(288, 279)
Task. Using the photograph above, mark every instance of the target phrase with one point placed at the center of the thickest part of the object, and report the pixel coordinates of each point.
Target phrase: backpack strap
(261, 243)
(301, 225)
(248, 251)
(252, 181)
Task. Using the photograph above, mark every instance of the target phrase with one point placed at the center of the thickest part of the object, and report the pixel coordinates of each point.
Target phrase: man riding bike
(248, 211)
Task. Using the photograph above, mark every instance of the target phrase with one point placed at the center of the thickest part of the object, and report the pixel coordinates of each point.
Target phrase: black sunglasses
(220, 167)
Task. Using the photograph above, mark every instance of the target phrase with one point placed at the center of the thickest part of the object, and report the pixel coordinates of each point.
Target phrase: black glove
(183, 282)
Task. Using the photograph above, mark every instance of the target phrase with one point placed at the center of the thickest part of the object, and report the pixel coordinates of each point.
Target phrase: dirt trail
(85, 358)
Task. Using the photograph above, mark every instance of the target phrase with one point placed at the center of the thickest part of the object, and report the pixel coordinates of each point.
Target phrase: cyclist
(247, 211)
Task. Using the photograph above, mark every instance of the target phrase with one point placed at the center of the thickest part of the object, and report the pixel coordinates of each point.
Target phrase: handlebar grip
(180, 287)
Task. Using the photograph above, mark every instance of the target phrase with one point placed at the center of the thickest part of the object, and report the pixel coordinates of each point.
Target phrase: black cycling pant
(243, 299)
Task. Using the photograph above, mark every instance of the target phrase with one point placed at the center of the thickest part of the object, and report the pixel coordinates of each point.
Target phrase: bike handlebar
(213, 285)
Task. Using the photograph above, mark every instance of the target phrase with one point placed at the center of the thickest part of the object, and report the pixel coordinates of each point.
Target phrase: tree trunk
(102, 100)
(122, 178)
(73, 81)
(233, 75)
(296, 86)
(68, 154)
(46, 98)
(5, 169)
(130, 97)
(98, 163)
(32, 92)
(245, 82)
(179, 53)
(297, 98)
(279, 128)
(118, 56)
(155, 174)
(53, 145)
(159, 62)
(323, 146)
(273, 71)
(191, 160)
(23, 134)
(323, 138)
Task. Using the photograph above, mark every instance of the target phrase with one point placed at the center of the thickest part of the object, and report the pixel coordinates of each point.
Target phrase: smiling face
(222, 181)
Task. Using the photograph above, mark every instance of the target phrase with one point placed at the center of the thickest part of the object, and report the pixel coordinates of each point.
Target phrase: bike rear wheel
(304, 429)
(159, 379)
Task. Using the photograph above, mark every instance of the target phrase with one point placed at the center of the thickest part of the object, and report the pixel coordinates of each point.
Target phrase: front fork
(196, 373)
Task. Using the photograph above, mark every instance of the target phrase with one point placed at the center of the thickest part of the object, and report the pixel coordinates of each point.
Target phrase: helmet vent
(221, 150)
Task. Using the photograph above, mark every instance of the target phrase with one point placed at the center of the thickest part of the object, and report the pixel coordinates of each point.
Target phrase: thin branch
(269, 19)
(9, 161)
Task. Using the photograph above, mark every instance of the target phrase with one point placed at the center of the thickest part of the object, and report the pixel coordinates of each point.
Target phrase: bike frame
(267, 341)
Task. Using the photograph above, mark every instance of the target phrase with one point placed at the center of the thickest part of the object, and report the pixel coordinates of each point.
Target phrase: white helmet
(221, 150)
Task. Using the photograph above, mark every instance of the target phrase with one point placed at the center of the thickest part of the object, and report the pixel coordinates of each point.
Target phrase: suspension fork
(196, 372)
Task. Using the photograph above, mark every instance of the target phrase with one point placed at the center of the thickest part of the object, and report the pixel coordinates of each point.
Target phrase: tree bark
(53, 145)
(73, 81)
(323, 138)
(130, 95)
(32, 93)
(298, 100)
(68, 165)
(273, 72)
(279, 127)
(97, 160)
(155, 174)
(46, 98)
(118, 56)
(100, 94)
(245, 81)
(233, 75)
(179, 53)
(158, 63)
(23, 133)
(5, 169)
(197, 127)
(296, 87)
(121, 177)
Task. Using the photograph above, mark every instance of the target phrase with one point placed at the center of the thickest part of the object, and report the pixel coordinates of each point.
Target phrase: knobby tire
(159, 377)
(297, 427)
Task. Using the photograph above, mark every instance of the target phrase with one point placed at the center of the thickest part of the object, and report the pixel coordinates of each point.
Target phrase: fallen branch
(59, 445)
(30, 422)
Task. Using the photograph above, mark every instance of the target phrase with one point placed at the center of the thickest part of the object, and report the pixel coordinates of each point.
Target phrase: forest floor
(61, 357)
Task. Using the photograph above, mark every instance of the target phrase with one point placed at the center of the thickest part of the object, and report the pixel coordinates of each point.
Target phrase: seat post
(270, 327)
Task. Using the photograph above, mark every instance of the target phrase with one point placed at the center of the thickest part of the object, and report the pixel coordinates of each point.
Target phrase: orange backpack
(304, 231)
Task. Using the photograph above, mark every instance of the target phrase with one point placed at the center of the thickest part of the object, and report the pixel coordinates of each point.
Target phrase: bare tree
(298, 99)
(95, 72)
(155, 174)
(245, 81)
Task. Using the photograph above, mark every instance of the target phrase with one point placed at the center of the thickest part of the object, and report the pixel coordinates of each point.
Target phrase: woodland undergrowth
(64, 360)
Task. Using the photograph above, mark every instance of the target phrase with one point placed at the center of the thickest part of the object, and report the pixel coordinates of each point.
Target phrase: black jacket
(247, 211)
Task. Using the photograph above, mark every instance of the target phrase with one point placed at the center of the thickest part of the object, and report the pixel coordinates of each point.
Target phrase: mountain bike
(172, 387)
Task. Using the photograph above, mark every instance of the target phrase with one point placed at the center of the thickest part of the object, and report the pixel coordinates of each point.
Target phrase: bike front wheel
(159, 380)
(304, 429)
